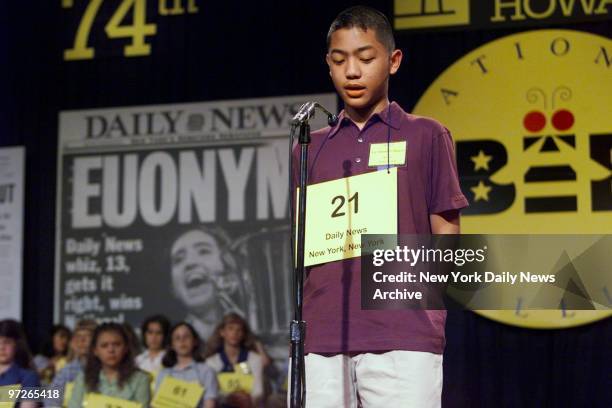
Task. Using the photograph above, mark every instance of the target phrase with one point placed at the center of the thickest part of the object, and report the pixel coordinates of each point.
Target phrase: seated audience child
(183, 361)
(154, 339)
(232, 349)
(55, 354)
(77, 356)
(110, 369)
(16, 368)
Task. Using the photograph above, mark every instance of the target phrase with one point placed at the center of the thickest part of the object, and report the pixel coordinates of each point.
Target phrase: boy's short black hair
(364, 18)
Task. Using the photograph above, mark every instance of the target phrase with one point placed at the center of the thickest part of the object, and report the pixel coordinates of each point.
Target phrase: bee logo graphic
(530, 115)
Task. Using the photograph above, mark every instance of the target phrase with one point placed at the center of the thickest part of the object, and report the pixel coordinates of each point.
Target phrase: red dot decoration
(563, 119)
(534, 121)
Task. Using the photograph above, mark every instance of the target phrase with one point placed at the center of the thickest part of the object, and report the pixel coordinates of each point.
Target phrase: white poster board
(12, 170)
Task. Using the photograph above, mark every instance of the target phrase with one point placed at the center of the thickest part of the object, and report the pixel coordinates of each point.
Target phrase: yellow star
(481, 191)
(481, 161)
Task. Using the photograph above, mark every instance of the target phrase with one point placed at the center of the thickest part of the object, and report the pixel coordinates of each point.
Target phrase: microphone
(332, 120)
(307, 111)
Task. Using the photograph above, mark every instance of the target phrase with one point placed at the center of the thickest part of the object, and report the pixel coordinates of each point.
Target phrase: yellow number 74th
(137, 31)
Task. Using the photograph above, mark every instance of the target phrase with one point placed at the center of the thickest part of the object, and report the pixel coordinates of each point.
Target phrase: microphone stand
(298, 326)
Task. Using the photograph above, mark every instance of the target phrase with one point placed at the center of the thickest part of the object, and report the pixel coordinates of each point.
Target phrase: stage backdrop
(178, 209)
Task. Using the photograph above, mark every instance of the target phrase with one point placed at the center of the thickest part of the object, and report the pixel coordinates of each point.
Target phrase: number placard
(340, 200)
(68, 393)
(175, 393)
(95, 400)
(339, 211)
(236, 381)
(9, 394)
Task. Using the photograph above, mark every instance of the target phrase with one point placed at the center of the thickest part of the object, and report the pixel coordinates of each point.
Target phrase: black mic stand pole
(298, 326)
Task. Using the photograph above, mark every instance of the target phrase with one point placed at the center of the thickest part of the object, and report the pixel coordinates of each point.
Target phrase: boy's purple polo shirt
(427, 184)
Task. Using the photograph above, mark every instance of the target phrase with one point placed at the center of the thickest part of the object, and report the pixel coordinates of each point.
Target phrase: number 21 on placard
(339, 201)
(137, 31)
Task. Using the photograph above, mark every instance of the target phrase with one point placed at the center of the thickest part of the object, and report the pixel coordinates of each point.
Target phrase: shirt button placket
(359, 140)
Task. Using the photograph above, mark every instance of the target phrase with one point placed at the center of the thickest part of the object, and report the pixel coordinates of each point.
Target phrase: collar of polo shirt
(390, 116)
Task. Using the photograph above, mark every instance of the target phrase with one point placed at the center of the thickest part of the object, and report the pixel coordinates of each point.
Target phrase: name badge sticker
(379, 157)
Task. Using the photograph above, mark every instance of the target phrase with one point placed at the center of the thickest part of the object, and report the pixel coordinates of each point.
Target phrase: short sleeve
(445, 191)
(209, 380)
(215, 363)
(258, 375)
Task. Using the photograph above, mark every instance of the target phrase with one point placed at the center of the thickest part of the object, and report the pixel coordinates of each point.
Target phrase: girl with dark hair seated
(154, 339)
(54, 354)
(183, 361)
(16, 367)
(110, 370)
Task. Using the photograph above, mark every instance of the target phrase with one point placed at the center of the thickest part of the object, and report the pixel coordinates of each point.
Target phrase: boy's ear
(396, 60)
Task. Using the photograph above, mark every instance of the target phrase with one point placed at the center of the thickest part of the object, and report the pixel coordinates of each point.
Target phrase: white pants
(392, 379)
